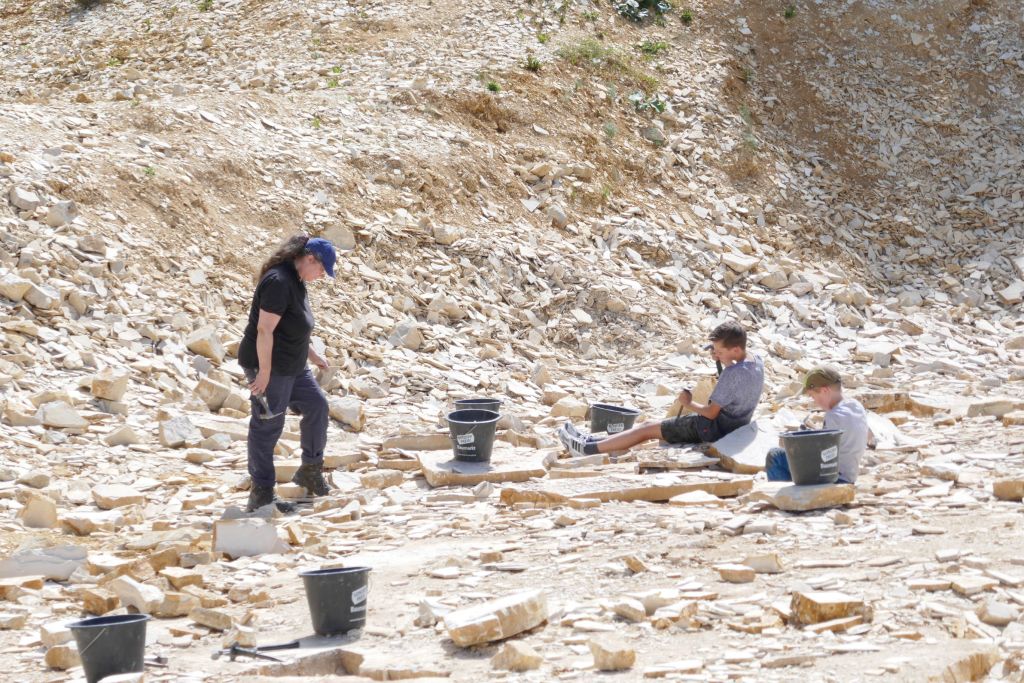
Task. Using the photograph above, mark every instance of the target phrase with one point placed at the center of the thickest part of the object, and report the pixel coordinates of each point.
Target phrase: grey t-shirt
(849, 416)
(737, 392)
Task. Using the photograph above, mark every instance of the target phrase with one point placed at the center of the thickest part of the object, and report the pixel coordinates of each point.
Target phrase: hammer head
(264, 413)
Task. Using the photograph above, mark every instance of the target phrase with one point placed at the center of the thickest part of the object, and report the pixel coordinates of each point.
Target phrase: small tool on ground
(256, 652)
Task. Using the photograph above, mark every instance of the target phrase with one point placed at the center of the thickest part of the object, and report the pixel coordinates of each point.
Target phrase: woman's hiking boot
(310, 476)
(264, 495)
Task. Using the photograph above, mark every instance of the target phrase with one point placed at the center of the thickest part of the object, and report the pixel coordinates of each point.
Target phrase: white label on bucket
(465, 439)
(615, 428)
(359, 595)
(357, 608)
(830, 454)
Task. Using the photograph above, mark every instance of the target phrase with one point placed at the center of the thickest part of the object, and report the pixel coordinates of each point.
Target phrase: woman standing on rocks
(273, 354)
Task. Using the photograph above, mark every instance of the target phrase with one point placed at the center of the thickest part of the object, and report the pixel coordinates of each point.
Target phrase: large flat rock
(628, 487)
(744, 450)
(508, 464)
(497, 619)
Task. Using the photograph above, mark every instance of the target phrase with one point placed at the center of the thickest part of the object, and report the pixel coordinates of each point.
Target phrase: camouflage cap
(822, 376)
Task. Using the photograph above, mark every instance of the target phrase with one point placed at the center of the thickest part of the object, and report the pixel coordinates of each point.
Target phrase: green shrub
(639, 10)
(493, 86)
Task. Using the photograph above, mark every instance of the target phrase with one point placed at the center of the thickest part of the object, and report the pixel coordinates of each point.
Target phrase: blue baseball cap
(324, 252)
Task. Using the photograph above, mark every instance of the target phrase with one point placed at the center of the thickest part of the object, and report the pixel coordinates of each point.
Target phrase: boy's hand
(685, 398)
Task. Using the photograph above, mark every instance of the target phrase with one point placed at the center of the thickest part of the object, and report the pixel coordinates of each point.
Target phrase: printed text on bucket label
(829, 454)
(359, 595)
(616, 428)
(465, 439)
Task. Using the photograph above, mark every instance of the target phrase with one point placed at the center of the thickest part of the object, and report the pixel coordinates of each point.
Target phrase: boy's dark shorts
(689, 429)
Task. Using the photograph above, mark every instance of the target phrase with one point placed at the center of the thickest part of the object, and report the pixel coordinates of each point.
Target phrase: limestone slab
(508, 464)
(744, 450)
(497, 619)
(792, 498)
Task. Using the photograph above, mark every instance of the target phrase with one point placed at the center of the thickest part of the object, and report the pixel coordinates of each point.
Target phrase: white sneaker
(573, 441)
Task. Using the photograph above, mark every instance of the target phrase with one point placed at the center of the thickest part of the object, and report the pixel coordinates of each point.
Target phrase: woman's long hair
(289, 250)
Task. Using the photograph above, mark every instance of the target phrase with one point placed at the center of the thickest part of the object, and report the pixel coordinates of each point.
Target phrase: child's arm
(710, 411)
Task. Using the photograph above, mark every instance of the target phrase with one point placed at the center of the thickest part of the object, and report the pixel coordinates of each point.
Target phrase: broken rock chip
(247, 536)
(611, 653)
(110, 496)
(40, 512)
(497, 619)
(349, 412)
(179, 432)
(56, 563)
(63, 657)
(1009, 489)
(205, 342)
(143, 597)
(110, 384)
(736, 573)
(60, 415)
(814, 607)
(517, 656)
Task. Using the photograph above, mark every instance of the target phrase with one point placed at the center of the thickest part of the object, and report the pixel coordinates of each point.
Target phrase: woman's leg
(263, 436)
(308, 400)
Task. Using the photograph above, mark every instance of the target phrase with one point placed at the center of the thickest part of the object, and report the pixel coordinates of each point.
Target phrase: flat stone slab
(672, 459)
(508, 464)
(888, 436)
(744, 450)
(791, 498)
(628, 487)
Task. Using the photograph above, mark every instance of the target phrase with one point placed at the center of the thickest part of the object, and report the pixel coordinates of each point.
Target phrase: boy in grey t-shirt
(730, 406)
(825, 387)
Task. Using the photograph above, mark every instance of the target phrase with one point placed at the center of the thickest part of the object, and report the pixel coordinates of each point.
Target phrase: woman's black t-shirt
(280, 292)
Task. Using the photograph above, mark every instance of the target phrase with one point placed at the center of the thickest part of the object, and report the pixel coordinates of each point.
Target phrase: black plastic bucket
(813, 455)
(337, 598)
(472, 433)
(611, 419)
(478, 404)
(111, 645)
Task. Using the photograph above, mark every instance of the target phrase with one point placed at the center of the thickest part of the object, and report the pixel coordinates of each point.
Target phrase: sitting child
(730, 406)
(825, 387)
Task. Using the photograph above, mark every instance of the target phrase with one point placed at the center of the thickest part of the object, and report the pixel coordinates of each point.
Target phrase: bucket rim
(612, 408)
(812, 432)
(477, 399)
(334, 571)
(108, 621)
(493, 416)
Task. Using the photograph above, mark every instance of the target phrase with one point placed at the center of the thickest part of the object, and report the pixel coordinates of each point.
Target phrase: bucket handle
(98, 636)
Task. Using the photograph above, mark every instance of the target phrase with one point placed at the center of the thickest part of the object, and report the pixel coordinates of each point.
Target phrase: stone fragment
(740, 263)
(630, 609)
(205, 342)
(146, 599)
(180, 577)
(382, 479)
(611, 653)
(212, 618)
(125, 435)
(768, 563)
(792, 498)
(569, 407)
(63, 657)
(678, 667)
(40, 512)
(25, 200)
(13, 286)
(55, 633)
(813, 607)
(970, 584)
(56, 563)
(99, 601)
(179, 432)
(13, 621)
(60, 415)
(177, 605)
(736, 573)
(36, 479)
(110, 384)
(245, 537)
(1009, 489)
(995, 613)
(743, 450)
(349, 412)
(86, 522)
(61, 213)
(110, 496)
(406, 335)
(42, 297)
(212, 393)
(497, 619)
(517, 656)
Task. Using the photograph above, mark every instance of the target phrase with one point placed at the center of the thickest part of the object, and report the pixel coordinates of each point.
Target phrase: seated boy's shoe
(310, 476)
(571, 428)
(264, 495)
(574, 443)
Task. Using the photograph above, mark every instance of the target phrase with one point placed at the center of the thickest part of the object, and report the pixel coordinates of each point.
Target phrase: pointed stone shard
(60, 415)
(205, 342)
(349, 412)
(497, 619)
(143, 597)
